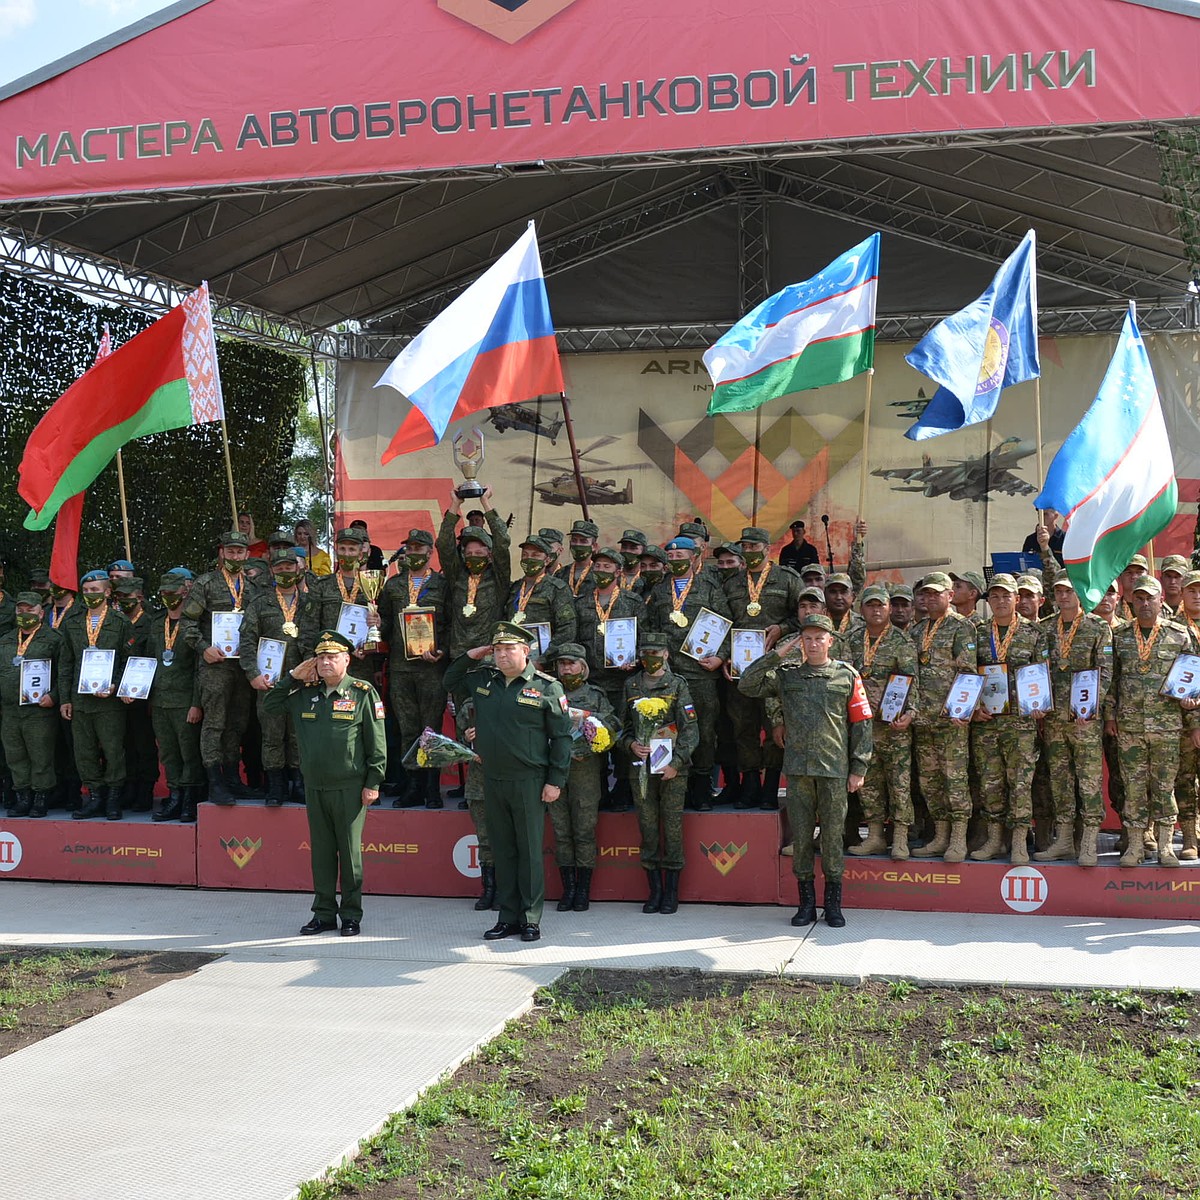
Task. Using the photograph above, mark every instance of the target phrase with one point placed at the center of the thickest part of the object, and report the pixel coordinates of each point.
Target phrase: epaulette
(543, 675)
(361, 684)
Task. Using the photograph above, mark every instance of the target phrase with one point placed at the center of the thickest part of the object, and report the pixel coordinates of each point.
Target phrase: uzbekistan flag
(165, 378)
(493, 345)
(1113, 478)
(811, 334)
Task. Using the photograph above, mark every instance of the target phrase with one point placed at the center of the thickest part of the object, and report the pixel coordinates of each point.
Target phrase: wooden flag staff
(124, 510)
(229, 474)
(862, 469)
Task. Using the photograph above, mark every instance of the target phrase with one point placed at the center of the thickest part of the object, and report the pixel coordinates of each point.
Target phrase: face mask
(169, 601)
(631, 560)
(532, 566)
(415, 562)
(128, 604)
(652, 577)
(475, 563)
(348, 563)
(603, 579)
(570, 682)
(727, 572)
(680, 566)
(581, 553)
(28, 620)
(60, 593)
(653, 663)
(94, 599)
(233, 565)
(285, 579)
(754, 559)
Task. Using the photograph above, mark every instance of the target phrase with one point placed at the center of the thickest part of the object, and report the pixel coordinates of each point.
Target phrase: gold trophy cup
(371, 583)
(468, 458)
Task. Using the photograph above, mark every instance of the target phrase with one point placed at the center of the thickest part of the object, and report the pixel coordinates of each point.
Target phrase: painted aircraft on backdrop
(562, 489)
(526, 419)
(911, 410)
(967, 478)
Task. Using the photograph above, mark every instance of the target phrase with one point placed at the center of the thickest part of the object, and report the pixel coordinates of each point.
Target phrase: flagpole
(124, 510)
(229, 474)
(566, 409)
(862, 469)
(757, 459)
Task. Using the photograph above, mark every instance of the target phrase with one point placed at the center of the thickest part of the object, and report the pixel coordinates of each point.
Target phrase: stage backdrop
(653, 458)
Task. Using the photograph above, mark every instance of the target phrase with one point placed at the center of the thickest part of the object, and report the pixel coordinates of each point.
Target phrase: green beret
(28, 598)
(350, 534)
(653, 641)
(566, 650)
(473, 533)
(754, 533)
(329, 641)
(875, 591)
(586, 529)
(235, 537)
(505, 633)
(816, 621)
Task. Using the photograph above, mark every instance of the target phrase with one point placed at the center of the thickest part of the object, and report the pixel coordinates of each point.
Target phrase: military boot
(218, 792)
(941, 840)
(748, 793)
(1135, 851)
(234, 785)
(833, 894)
(487, 894)
(733, 785)
(874, 842)
(296, 781)
(568, 896)
(1149, 841)
(1062, 847)
(1189, 852)
(189, 797)
(172, 807)
(91, 808)
(670, 899)
(806, 914)
(655, 899)
(768, 798)
(20, 803)
(1166, 844)
(993, 846)
(700, 791)
(956, 851)
(622, 796)
(142, 800)
(1018, 853)
(899, 841)
(41, 804)
(113, 797)
(277, 788)
(583, 889)
(433, 787)
(1087, 846)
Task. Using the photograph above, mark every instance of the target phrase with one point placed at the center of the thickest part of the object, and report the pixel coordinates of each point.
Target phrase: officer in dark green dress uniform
(523, 739)
(343, 755)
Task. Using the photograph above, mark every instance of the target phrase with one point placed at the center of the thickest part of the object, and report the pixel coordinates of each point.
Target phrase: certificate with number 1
(706, 635)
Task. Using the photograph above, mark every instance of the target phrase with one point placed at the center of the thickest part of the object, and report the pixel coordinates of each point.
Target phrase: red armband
(859, 708)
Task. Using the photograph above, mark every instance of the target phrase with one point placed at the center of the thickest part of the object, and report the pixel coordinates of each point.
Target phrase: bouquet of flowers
(588, 733)
(436, 751)
(649, 713)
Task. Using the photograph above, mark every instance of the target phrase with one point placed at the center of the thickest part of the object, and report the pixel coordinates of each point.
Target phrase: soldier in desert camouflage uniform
(1189, 756)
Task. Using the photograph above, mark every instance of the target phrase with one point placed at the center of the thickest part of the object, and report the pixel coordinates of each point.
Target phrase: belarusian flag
(1113, 479)
(165, 378)
(811, 334)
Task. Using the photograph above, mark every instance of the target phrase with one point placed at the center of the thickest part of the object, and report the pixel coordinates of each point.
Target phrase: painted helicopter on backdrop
(967, 478)
(526, 419)
(562, 490)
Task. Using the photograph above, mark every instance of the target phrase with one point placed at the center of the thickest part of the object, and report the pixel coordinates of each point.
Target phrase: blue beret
(94, 577)
(183, 572)
(121, 564)
(680, 543)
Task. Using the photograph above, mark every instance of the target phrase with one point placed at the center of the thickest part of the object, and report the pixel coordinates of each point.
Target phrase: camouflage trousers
(98, 734)
(574, 814)
(178, 746)
(225, 696)
(942, 767)
(703, 687)
(814, 800)
(418, 701)
(279, 748)
(1076, 757)
(1006, 750)
(660, 820)
(1043, 790)
(1116, 785)
(886, 793)
(30, 739)
(1185, 778)
(1149, 762)
(612, 684)
(750, 724)
(473, 792)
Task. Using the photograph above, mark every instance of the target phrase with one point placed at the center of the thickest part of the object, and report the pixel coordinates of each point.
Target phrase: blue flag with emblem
(981, 349)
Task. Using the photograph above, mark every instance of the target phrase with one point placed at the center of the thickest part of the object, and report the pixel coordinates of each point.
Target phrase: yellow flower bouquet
(436, 751)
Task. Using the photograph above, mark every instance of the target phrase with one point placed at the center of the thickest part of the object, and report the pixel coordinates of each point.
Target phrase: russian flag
(493, 345)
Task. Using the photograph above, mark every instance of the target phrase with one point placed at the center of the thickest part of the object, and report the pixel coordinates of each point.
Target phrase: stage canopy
(338, 172)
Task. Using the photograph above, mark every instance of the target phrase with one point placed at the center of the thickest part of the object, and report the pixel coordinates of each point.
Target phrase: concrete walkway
(272, 1063)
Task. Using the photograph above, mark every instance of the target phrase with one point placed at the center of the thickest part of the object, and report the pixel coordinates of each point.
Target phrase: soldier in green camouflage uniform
(1075, 641)
(344, 586)
(822, 719)
(886, 794)
(141, 753)
(632, 545)
(763, 596)
(540, 598)
(1189, 757)
(674, 605)
(225, 694)
(282, 613)
(1005, 744)
(175, 705)
(577, 809)
(97, 721)
(478, 573)
(1106, 610)
(578, 573)
(652, 570)
(659, 798)
(839, 601)
(1147, 724)
(945, 645)
(30, 731)
(1171, 575)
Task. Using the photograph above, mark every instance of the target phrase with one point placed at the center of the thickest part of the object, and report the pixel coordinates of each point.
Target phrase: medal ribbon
(1000, 644)
(169, 635)
(844, 623)
(1145, 645)
(755, 590)
(62, 612)
(23, 640)
(576, 584)
(930, 634)
(93, 631)
(678, 597)
(526, 591)
(1066, 639)
(289, 614)
(627, 582)
(871, 648)
(472, 588)
(234, 584)
(347, 597)
(602, 614)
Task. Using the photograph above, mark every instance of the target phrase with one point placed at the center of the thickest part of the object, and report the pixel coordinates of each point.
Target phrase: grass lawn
(669, 1084)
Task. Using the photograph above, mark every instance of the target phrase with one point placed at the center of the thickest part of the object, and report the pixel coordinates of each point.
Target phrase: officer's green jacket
(778, 599)
(589, 697)
(177, 684)
(138, 643)
(894, 654)
(46, 643)
(340, 733)
(211, 594)
(549, 600)
(1027, 646)
(587, 625)
(1135, 701)
(434, 593)
(706, 592)
(467, 632)
(521, 725)
(265, 619)
(824, 736)
(681, 712)
(113, 635)
(1091, 650)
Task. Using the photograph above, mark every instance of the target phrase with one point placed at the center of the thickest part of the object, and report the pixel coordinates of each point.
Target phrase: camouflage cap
(170, 582)
(935, 581)
(39, 575)
(1029, 583)
(551, 535)
(284, 554)
(1138, 560)
(351, 534)
(609, 552)
(28, 598)
(473, 533)
(586, 529)
(422, 537)
(505, 633)
(1176, 563)
(694, 529)
(1062, 579)
(1004, 582)
(731, 548)
(653, 641)
(280, 537)
(538, 543)
(814, 569)
(838, 579)
(755, 533)
(816, 621)
(812, 593)
(128, 585)
(566, 650)
(235, 537)
(655, 552)
(901, 591)
(972, 577)
(1148, 583)
(875, 591)
(1191, 579)
(633, 535)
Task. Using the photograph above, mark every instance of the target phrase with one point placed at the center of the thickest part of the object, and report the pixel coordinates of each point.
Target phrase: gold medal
(469, 610)
(600, 628)
(679, 619)
(519, 617)
(289, 629)
(753, 608)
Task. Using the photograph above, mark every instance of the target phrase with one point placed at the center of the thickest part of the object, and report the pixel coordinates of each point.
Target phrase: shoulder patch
(379, 710)
(193, 610)
(543, 675)
(361, 684)
(689, 711)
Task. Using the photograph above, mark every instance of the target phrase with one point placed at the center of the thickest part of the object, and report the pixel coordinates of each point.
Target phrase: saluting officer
(523, 739)
(343, 755)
